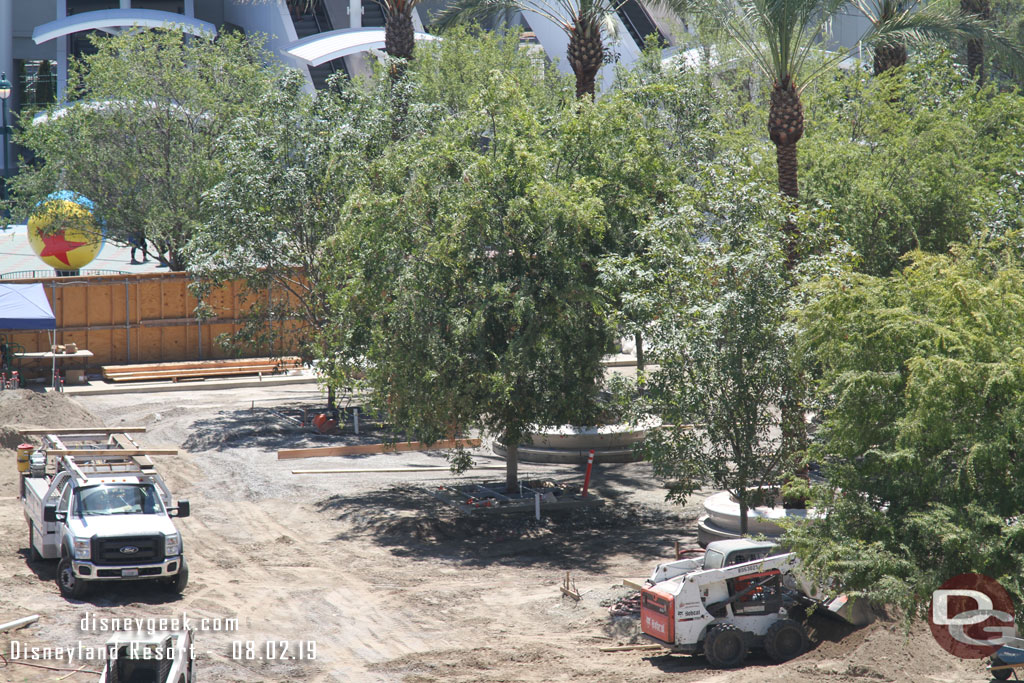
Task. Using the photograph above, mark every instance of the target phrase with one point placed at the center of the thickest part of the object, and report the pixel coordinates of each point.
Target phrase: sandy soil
(388, 584)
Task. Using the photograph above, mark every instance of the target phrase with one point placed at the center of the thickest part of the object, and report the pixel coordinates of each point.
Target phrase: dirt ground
(367, 578)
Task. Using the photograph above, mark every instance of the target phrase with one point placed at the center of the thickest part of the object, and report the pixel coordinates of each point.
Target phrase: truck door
(62, 494)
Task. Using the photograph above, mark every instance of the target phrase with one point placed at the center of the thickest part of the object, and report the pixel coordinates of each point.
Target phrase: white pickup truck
(105, 517)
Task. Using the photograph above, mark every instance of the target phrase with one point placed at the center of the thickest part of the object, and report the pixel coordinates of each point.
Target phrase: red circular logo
(970, 616)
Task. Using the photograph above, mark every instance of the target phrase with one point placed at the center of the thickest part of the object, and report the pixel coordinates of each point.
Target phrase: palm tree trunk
(976, 47)
(785, 156)
(889, 57)
(399, 39)
(585, 54)
(786, 127)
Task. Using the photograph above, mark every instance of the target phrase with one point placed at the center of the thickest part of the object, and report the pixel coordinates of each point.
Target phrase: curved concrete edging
(721, 519)
(569, 445)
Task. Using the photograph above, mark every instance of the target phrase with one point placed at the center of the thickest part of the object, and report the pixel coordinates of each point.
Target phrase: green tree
(921, 393)
(724, 342)
(140, 143)
(909, 163)
(287, 168)
(467, 282)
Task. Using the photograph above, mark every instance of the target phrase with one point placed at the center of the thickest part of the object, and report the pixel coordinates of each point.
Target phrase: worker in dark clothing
(138, 241)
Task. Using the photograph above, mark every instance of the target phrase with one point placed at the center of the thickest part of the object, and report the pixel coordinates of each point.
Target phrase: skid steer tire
(1001, 674)
(725, 647)
(785, 640)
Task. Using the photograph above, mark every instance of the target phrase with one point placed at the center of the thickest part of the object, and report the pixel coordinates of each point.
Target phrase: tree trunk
(511, 464)
(976, 48)
(638, 339)
(743, 512)
(332, 398)
(889, 57)
(586, 55)
(399, 35)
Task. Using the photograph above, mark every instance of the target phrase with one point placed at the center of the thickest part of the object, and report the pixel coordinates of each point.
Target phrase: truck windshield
(118, 499)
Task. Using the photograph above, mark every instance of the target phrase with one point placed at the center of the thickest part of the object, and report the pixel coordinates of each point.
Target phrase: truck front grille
(118, 551)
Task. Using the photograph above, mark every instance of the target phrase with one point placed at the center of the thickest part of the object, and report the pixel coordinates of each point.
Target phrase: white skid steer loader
(742, 594)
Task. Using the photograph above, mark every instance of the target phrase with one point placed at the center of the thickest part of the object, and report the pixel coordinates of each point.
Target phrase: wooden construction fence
(138, 318)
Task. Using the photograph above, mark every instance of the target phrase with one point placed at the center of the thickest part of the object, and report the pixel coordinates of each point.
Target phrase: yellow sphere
(64, 233)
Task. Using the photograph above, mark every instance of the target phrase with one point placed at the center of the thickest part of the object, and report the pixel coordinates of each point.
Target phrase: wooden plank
(374, 449)
(84, 430)
(635, 584)
(265, 367)
(112, 451)
(396, 469)
(626, 648)
(183, 365)
(195, 374)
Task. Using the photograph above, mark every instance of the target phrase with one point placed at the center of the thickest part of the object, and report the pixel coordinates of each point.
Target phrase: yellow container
(24, 451)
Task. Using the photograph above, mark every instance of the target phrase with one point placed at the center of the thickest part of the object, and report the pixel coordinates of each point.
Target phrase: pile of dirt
(22, 408)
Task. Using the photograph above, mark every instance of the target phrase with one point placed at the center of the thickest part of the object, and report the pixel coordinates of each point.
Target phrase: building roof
(110, 20)
(323, 47)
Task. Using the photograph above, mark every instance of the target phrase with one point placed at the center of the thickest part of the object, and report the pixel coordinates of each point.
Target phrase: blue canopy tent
(25, 307)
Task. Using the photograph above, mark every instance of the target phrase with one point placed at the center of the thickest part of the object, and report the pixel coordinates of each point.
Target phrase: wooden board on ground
(635, 584)
(81, 430)
(376, 448)
(200, 369)
(112, 451)
(395, 469)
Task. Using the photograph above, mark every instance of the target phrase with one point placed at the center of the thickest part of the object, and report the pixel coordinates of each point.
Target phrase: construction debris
(19, 623)
(571, 591)
(627, 607)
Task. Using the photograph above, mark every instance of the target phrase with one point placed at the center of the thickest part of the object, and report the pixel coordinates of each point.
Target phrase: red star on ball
(56, 245)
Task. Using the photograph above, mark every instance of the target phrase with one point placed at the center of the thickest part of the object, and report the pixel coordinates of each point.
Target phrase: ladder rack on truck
(94, 500)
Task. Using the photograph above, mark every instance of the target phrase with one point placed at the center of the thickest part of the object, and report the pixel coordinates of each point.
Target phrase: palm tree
(976, 46)
(897, 23)
(587, 23)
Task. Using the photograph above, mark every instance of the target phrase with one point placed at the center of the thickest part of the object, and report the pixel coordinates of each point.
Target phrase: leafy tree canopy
(921, 394)
(140, 140)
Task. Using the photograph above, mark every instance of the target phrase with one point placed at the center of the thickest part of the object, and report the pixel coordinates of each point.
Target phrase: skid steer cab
(741, 595)
(157, 657)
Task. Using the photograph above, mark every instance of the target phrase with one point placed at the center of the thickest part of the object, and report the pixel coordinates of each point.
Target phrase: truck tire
(33, 554)
(178, 582)
(71, 587)
(724, 646)
(785, 640)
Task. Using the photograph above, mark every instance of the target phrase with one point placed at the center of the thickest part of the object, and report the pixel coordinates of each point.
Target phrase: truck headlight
(172, 545)
(83, 548)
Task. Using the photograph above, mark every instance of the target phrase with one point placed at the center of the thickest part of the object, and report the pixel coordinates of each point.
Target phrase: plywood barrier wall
(138, 318)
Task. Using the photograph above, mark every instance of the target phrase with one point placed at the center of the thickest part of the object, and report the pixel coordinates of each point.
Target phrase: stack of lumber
(200, 369)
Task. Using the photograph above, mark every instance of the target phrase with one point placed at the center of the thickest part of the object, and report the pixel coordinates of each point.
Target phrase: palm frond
(470, 11)
(938, 21)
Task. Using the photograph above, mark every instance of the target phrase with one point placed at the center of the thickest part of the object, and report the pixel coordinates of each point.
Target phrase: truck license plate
(129, 572)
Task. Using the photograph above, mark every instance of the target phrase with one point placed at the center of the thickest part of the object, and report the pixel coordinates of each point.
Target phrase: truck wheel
(178, 582)
(785, 640)
(1001, 674)
(724, 646)
(33, 554)
(71, 586)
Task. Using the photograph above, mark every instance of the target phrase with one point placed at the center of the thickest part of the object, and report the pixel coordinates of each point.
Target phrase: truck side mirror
(50, 512)
(184, 509)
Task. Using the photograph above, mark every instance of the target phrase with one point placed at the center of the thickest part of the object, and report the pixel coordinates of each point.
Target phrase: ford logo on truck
(129, 550)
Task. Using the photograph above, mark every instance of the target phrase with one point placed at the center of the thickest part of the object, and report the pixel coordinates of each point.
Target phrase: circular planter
(569, 444)
(721, 518)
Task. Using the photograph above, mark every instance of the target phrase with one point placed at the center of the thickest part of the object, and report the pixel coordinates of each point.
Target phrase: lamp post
(5, 92)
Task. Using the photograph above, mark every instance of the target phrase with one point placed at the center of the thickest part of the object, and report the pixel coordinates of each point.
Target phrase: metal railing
(50, 272)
